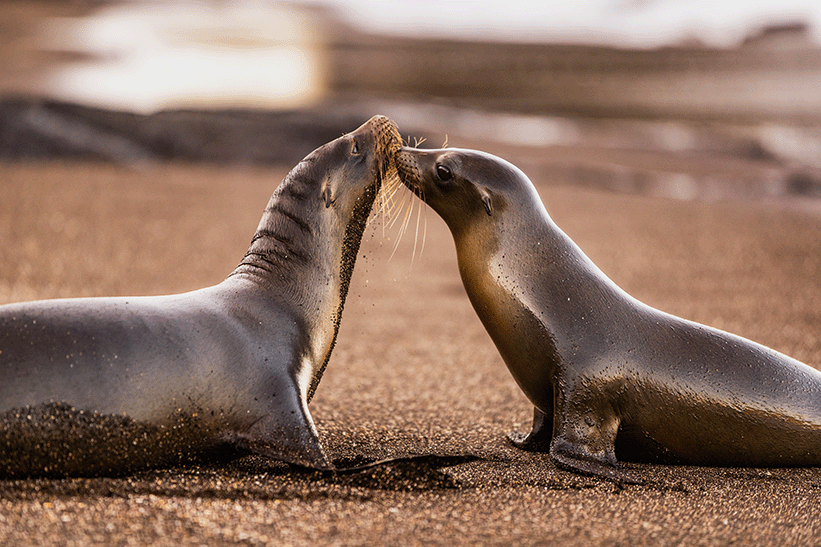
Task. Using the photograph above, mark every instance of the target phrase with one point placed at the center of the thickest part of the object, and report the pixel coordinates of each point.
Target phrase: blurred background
(686, 99)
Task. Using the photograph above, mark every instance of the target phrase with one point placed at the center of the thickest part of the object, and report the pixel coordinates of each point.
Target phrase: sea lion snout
(380, 138)
(382, 135)
(388, 142)
(407, 165)
(388, 139)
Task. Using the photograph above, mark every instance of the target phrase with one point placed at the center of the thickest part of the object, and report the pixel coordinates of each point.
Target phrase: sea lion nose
(379, 119)
(387, 133)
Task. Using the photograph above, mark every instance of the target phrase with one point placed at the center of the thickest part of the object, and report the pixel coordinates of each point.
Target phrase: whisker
(408, 212)
(395, 204)
(396, 209)
(424, 207)
(381, 203)
(416, 141)
(399, 208)
(388, 202)
(391, 210)
(416, 235)
(390, 183)
(389, 218)
(404, 225)
(390, 213)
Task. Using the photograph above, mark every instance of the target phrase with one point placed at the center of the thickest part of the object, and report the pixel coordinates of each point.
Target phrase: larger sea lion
(106, 385)
(609, 376)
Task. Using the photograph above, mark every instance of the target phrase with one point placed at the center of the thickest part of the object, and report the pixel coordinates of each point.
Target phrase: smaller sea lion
(609, 376)
(109, 385)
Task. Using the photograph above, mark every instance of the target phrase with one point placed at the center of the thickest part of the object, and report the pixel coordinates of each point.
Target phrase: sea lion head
(467, 188)
(350, 170)
(324, 200)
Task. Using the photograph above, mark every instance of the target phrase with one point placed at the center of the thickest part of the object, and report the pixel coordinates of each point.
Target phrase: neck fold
(285, 243)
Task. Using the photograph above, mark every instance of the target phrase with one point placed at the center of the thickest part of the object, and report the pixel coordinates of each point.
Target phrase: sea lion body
(608, 374)
(91, 353)
(232, 364)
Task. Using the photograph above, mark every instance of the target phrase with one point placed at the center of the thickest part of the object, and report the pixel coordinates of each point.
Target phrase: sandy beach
(413, 373)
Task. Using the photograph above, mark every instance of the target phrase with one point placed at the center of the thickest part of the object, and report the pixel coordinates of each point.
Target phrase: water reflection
(148, 57)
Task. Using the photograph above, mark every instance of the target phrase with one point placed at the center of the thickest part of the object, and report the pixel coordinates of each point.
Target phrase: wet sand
(413, 372)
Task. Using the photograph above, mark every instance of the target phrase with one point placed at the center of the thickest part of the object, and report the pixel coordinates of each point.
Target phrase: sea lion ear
(487, 201)
(326, 195)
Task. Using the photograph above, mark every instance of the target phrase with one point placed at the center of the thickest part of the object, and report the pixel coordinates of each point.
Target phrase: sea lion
(609, 376)
(108, 385)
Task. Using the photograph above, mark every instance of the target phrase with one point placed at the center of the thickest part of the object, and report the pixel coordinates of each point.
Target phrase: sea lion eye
(355, 149)
(443, 172)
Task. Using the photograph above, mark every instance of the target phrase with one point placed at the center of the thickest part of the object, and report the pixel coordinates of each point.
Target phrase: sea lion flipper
(585, 440)
(300, 447)
(538, 440)
(288, 434)
(596, 468)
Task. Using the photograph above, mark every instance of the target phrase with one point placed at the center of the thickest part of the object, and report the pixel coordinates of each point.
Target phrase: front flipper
(538, 440)
(286, 432)
(570, 458)
(585, 443)
(292, 443)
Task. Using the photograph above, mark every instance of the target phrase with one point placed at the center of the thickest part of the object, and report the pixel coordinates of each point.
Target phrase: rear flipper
(538, 440)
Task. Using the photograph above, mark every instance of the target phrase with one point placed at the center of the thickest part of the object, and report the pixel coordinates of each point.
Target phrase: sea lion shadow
(237, 476)
(418, 472)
